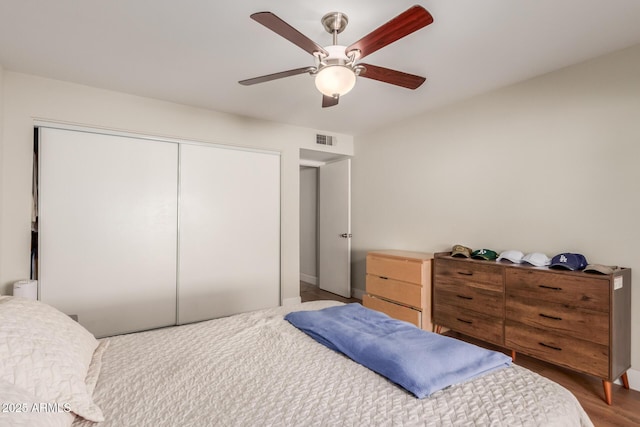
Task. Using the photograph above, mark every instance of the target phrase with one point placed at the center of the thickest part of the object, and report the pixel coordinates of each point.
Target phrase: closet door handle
(546, 316)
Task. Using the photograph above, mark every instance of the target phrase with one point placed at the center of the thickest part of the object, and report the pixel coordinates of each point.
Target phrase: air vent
(325, 139)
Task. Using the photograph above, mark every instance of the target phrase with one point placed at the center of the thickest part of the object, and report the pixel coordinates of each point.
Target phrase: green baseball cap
(486, 254)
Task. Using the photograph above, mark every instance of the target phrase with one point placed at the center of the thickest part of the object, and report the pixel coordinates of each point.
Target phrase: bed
(249, 369)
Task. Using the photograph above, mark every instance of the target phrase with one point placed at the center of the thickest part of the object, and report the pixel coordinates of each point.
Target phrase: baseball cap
(536, 258)
(486, 254)
(513, 256)
(460, 251)
(569, 261)
(599, 268)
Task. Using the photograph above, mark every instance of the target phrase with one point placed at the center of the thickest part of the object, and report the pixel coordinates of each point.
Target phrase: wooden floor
(625, 410)
(310, 292)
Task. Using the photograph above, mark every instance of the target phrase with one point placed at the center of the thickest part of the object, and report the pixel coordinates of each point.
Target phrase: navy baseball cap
(569, 261)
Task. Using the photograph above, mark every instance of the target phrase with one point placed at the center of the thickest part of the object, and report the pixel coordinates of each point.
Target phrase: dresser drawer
(564, 350)
(395, 290)
(405, 270)
(469, 322)
(396, 311)
(588, 325)
(574, 291)
(469, 297)
(486, 276)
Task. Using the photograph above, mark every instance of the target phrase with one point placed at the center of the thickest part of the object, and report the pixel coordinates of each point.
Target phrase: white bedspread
(256, 369)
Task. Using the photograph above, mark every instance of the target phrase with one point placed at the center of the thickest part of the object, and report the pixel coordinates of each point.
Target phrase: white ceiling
(194, 51)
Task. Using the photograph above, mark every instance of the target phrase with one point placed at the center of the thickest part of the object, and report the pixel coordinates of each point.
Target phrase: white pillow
(46, 353)
(21, 409)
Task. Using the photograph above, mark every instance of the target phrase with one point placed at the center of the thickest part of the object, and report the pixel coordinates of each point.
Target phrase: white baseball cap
(513, 256)
(537, 258)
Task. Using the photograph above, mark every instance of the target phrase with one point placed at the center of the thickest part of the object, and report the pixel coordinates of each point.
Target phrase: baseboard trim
(309, 279)
(357, 293)
(291, 301)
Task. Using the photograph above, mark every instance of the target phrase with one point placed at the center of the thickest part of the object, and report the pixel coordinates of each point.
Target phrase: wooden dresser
(577, 320)
(399, 284)
(468, 297)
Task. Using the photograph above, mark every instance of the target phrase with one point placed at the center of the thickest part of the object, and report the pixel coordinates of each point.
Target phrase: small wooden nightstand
(399, 284)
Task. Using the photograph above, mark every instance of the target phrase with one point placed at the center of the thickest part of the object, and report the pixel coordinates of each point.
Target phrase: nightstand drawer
(587, 292)
(573, 353)
(469, 322)
(487, 276)
(395, 290)
(396, 311)
(588, 325)
(405, 270)
(468, 297)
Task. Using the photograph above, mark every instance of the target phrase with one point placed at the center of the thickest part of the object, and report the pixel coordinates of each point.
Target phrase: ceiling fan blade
(274, 76)
(386, 75)
(329, 101)
(411, 20)
(285, 30)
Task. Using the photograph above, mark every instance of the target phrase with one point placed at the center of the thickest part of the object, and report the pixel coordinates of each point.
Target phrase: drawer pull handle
(550, 287)
(464, 297)
(383, 278)
(466, 273)
(546, 316)
(550, 346)
(468, 322)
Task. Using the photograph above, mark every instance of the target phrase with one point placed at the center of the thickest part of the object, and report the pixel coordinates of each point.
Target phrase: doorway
(309, 225)
(325, 226)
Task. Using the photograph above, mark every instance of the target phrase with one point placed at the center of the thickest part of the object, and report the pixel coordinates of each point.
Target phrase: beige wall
(2, 102)
(551, 165)
(27, 98)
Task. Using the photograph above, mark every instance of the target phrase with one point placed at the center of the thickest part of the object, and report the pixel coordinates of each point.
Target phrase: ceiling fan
(336, 66)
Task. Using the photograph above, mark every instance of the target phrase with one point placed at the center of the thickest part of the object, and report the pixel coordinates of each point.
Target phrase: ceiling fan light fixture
(334, 80)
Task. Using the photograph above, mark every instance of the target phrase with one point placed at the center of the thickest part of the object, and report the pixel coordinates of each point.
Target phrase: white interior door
(229, 232)
(334, 269)
(108, 229)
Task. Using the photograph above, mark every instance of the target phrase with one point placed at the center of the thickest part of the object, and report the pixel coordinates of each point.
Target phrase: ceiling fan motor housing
(337, 55)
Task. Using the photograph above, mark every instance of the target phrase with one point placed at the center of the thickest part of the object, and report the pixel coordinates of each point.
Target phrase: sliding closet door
(229, 247)
(108, 229)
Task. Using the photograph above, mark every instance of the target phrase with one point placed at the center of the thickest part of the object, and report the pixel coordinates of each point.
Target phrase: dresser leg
(625, 380)
(438, 329)
(513, 356)
(607, 391)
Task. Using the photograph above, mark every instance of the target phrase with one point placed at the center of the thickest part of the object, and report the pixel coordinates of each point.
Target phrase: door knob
(346, 235)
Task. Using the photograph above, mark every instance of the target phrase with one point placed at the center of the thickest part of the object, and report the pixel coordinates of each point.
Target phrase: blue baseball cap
(569, 261)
